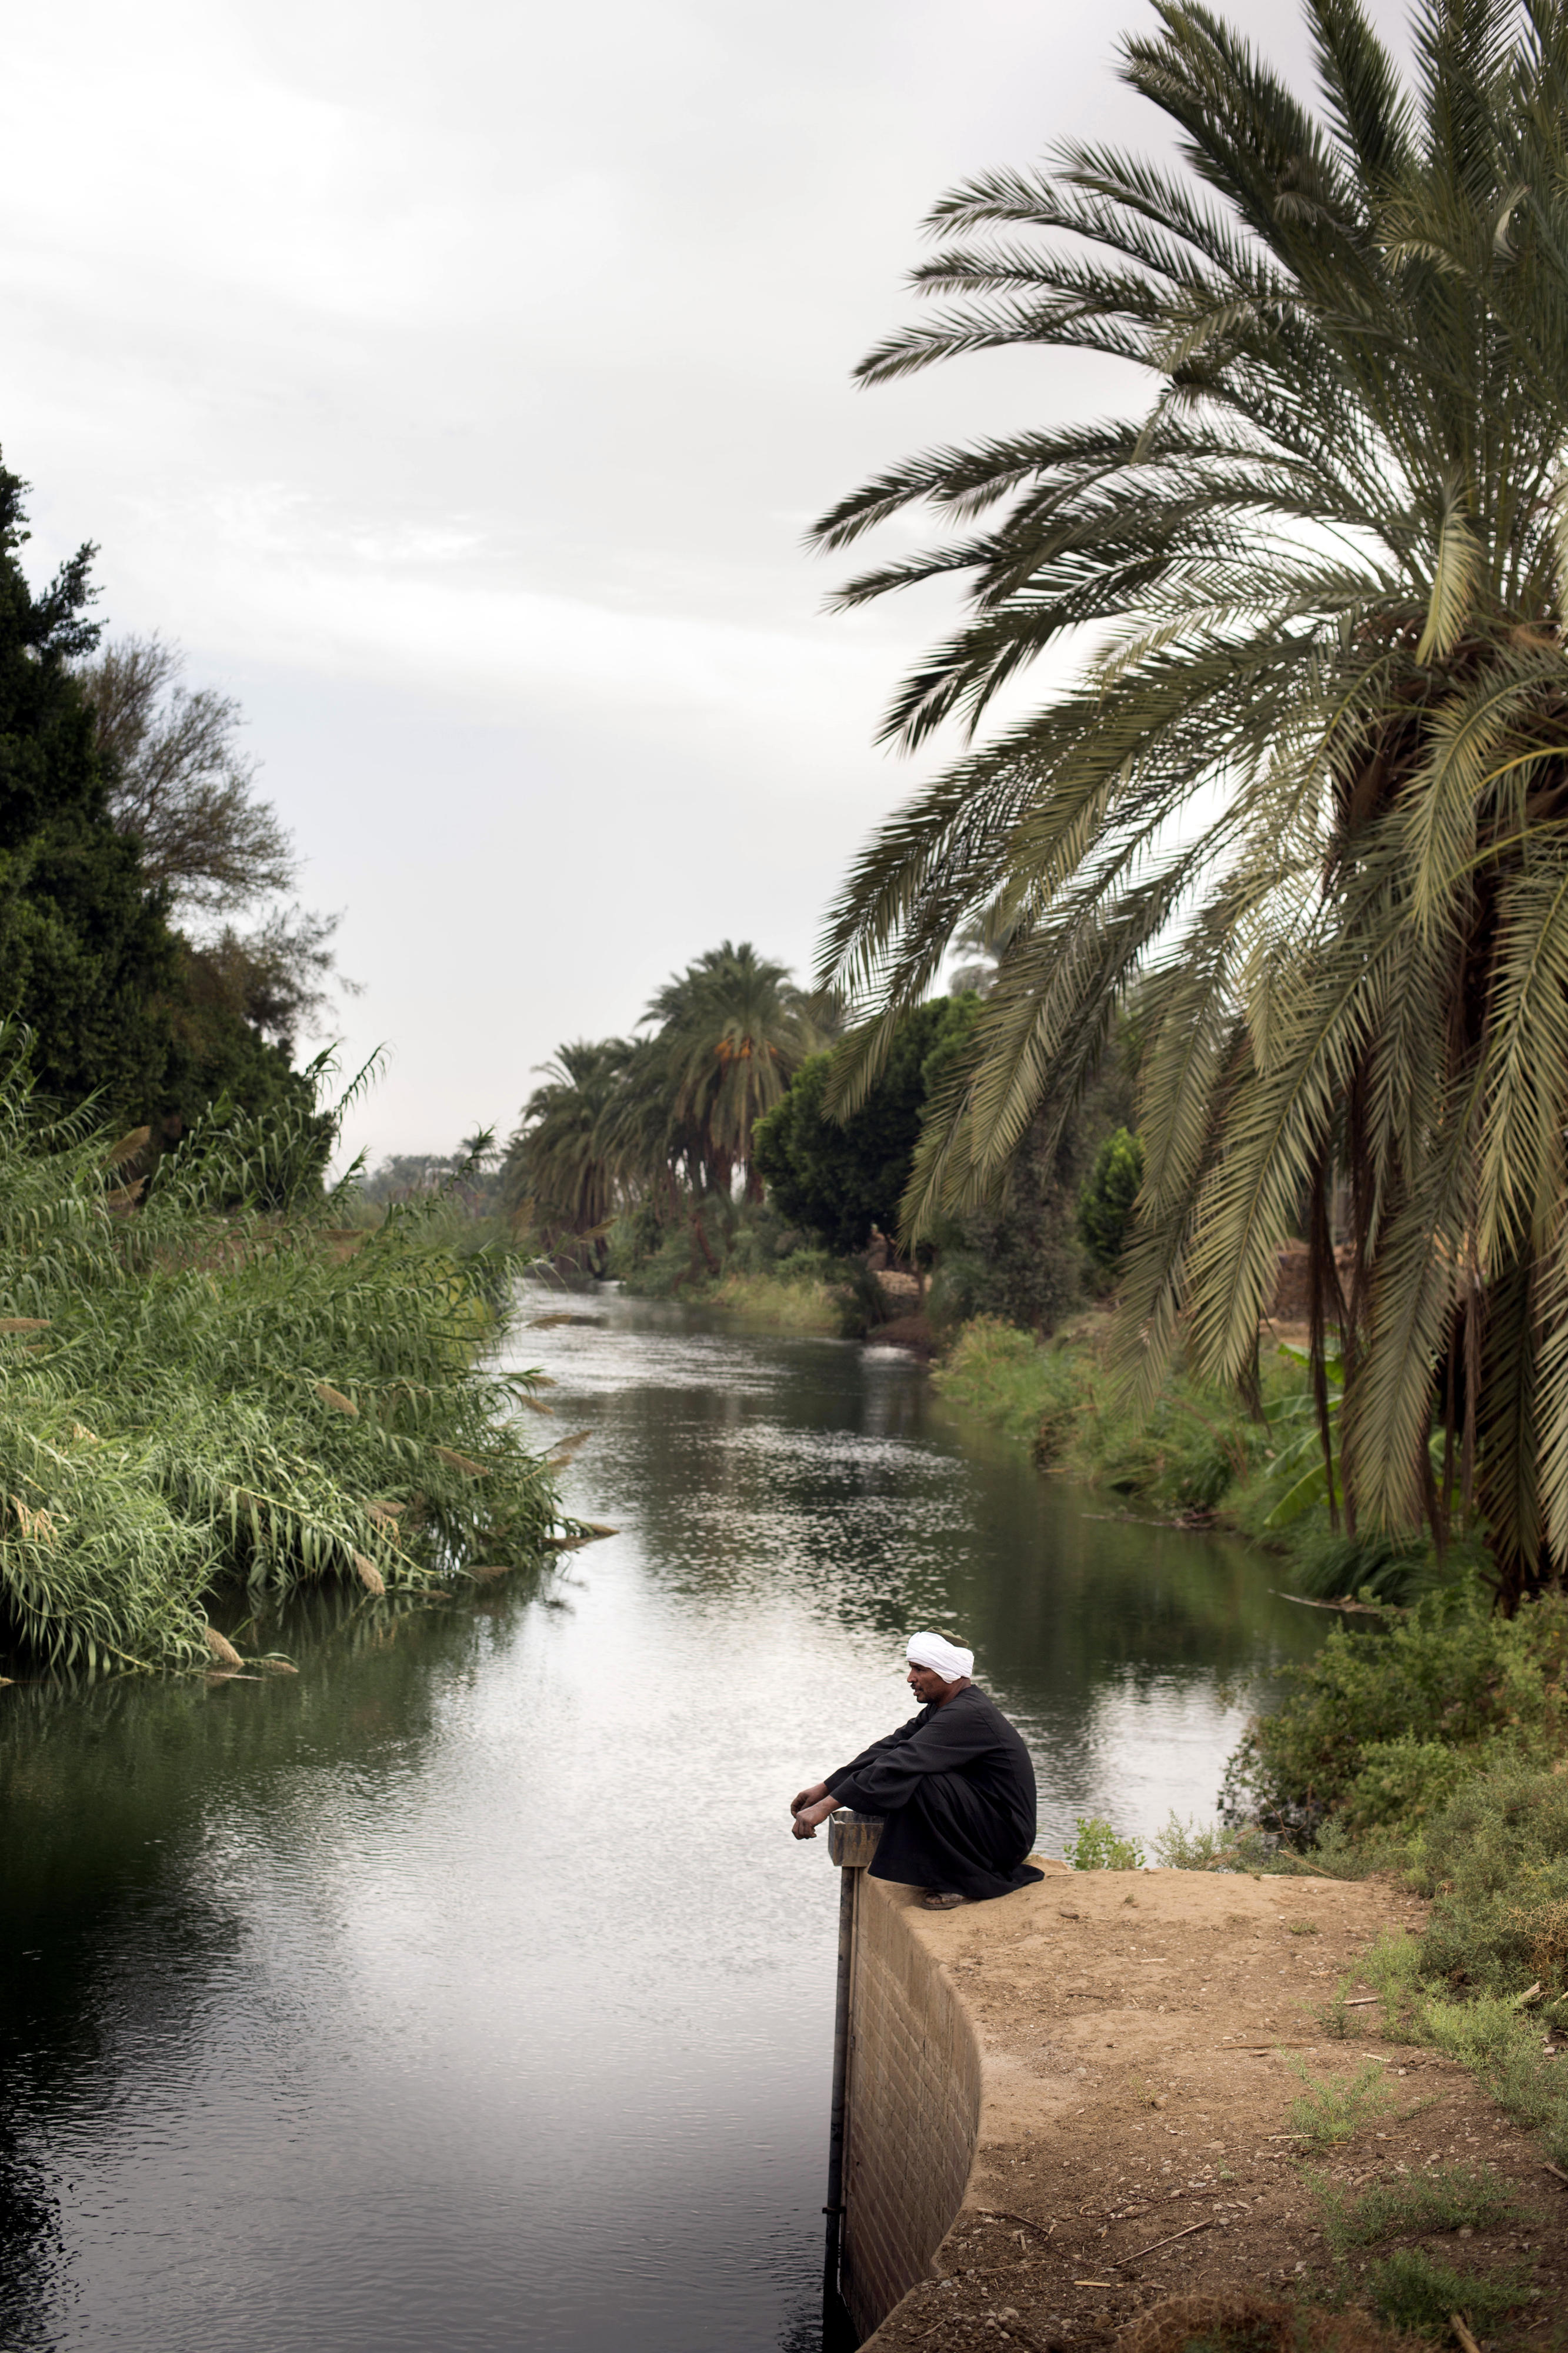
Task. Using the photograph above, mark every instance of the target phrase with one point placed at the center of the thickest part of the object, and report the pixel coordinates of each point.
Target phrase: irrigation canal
(468, 1990)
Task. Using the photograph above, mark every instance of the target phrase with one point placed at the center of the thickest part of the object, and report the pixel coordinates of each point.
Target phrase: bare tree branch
(179, 782)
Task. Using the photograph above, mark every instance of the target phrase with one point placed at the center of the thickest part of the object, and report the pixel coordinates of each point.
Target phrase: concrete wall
(914, 2107)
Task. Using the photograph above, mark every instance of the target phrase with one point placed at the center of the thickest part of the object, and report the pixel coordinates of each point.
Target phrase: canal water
(467, 1990)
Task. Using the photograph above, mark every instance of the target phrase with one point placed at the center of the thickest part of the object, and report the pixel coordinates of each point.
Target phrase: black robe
(956, 1789)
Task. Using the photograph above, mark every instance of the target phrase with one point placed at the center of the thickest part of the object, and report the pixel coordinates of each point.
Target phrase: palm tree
(733, 1032)
(1309, 804)
(563, 1163)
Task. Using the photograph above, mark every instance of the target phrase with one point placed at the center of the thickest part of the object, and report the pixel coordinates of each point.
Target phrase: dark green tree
(1019, 1256)
(119, 1005)
(87, 959)
(838, 1180)
(1105, 1204)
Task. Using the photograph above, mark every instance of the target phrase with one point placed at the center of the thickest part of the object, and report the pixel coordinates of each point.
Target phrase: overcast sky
(455, 381)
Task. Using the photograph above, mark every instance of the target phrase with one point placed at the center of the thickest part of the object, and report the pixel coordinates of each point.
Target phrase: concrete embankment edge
(914, 2106)
(1081, 2099)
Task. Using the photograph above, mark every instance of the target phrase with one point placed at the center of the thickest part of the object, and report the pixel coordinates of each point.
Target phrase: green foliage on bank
(1193, 1450)
(1105, 1205)
(223, 1389)
(1197, 1452)
(841, 1178)
(86, 957)
(1434, 1742)
(802, 1299)
(749, 1262)
(1095, 1845)
(1380, 1729)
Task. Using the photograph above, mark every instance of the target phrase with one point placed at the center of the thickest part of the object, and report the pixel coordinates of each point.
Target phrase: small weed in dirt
(1338, 2021)
(1186, 1846)
(1502, 2046)
(1244, 2324)
(1303, 1928)
(1499, 2042)
(1393, 1965)
(1194, 1846)
(1333, 2108)
(1414, 2291)
(1095, 1846)
(1450, 2197)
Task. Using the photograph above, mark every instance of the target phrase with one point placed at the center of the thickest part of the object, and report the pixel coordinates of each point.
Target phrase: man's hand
(807, 1817)
(811, 1797)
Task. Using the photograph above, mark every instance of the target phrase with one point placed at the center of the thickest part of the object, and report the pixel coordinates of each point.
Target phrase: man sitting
(954, 1786)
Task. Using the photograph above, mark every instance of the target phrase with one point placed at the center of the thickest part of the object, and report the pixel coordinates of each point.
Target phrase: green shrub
(1095, 1846)
(1497, 1860)
(1327, 1565)
(859, 1302)
(785, 1303)
(1446, 1678)
(1008, 1379)
(1404, 1781)
(255, 1396)
(1502, 2046)
(1184, 1846)
(1444, 2197)
(1186, 1455)
(1412, 2289)
(1500, 2042)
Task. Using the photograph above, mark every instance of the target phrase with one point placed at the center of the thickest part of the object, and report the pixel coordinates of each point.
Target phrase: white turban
(943, 1658)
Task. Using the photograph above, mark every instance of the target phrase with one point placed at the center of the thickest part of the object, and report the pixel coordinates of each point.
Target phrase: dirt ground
(1137, 2032)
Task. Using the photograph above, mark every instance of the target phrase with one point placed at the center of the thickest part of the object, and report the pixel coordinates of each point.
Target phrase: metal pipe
(851, 1844)
(848, 1880)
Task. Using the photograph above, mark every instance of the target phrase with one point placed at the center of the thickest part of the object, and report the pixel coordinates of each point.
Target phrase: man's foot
(938, 1899)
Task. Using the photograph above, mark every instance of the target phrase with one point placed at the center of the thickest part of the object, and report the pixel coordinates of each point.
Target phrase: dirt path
(1137, 2031)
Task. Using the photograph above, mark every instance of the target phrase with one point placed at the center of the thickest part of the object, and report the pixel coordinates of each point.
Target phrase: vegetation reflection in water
(414, 1995)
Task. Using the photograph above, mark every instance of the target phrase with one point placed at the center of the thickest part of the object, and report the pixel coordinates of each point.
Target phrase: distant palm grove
(705, 1145)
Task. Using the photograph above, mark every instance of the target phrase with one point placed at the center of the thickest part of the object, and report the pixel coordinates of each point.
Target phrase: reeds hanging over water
(204, 1387)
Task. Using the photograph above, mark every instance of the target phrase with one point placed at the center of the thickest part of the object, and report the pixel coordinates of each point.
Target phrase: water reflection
(469, 1989)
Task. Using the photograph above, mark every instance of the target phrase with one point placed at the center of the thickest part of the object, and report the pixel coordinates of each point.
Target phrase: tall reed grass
(210, 1379)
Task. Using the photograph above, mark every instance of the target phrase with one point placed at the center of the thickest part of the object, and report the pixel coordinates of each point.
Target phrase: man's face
(927, 1684)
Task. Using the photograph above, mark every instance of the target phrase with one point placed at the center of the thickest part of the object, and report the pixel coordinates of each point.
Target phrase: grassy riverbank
(213, 1389)
(807, 1303)
(1425, 1750)
(742, 1258)
(1431, 1745)
(1197, 1451)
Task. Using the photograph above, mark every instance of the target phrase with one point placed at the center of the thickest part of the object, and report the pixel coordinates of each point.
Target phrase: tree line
(1303, 816)
(663, 1122)
(148, 938)
(669, 1140)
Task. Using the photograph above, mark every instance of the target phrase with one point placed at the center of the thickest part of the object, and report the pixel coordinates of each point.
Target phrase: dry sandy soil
(1138, 2032)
